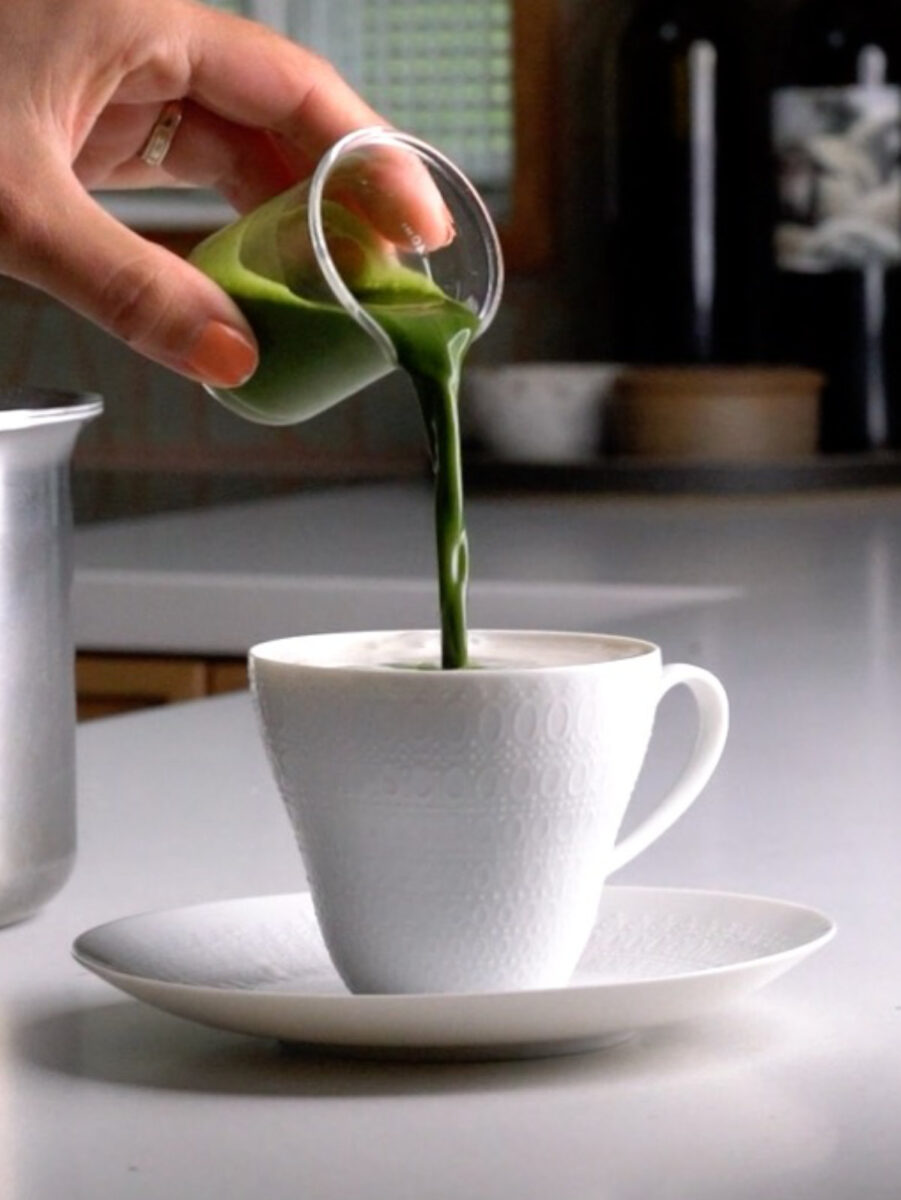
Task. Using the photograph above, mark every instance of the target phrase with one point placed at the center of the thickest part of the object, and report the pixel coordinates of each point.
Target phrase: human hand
(81, 87)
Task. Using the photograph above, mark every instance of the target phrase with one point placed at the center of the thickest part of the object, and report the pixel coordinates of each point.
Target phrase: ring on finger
(159, 141)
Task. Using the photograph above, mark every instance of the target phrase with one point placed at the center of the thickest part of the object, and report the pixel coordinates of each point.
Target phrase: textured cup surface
(457, 826)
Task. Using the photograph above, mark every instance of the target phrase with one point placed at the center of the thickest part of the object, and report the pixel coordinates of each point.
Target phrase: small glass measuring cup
(303, 266)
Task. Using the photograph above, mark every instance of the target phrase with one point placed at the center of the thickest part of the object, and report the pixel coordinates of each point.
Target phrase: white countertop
(793, 1093)
(216, 581)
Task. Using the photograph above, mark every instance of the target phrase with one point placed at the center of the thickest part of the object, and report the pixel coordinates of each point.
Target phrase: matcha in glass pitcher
(340, 287)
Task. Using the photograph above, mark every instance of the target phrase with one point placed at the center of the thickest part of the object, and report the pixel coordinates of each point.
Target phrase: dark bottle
(682, 240)
(836, 132)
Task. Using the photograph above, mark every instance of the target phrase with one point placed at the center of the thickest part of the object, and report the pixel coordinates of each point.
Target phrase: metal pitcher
(37, 690)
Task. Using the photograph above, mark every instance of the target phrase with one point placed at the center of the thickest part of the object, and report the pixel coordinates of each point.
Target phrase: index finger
(253, 76)
(247, 72)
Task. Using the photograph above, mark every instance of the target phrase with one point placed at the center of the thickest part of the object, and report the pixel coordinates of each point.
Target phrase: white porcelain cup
(457, 826)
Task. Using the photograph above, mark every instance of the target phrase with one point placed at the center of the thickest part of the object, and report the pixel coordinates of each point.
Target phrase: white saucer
(259, 966)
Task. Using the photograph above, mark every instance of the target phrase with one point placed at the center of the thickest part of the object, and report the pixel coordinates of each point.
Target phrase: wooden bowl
(756, 414)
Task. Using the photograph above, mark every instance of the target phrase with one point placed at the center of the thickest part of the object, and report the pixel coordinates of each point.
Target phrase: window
(439, 69)
(476, 77)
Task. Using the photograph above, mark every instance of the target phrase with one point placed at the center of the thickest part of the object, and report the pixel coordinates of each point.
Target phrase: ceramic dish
(259, 966)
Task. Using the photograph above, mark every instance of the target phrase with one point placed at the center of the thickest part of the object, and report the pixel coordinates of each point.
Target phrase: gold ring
(159, 142)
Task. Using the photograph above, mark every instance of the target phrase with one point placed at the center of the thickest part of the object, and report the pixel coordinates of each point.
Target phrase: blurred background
(626, 148)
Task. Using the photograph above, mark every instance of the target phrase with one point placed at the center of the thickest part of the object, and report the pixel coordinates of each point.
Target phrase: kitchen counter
(218, 580)
(794, 1092)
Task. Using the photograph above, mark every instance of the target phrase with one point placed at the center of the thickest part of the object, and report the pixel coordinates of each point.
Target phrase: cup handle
(713, 725)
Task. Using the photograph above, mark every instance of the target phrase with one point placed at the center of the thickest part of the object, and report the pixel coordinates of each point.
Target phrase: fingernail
(222, 356)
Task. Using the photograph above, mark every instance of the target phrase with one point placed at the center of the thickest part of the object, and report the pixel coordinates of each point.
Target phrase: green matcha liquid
(431, 342)
(313, 353)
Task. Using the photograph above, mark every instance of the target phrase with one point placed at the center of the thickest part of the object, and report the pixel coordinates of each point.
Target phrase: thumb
(140, 292)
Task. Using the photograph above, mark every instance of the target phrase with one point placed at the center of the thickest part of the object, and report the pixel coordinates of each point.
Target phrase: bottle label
(838, 161)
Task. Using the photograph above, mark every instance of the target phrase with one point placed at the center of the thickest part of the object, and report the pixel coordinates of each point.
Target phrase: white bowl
(549, 412)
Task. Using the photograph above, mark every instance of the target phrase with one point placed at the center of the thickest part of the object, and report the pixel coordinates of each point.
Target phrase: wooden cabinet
(118, 683)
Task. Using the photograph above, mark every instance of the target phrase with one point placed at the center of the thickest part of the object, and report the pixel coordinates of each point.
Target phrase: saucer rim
(789, 954)
(472, 1026)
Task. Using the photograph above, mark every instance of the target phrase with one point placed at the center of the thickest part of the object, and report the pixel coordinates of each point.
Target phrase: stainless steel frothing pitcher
(37, 691)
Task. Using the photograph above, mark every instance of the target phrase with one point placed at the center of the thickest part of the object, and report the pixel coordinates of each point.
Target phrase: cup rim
(23, 407)
(375, 135)
(271, 653)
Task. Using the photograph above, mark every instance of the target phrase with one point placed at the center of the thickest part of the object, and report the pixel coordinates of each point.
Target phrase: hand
(81, 86)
